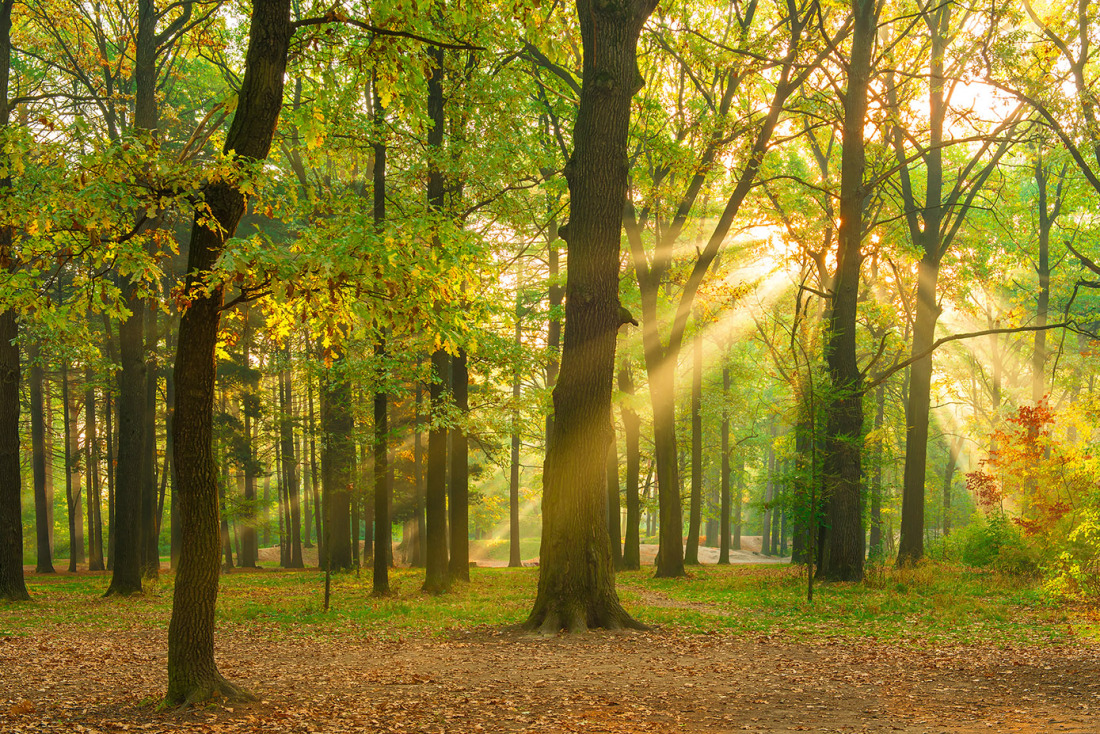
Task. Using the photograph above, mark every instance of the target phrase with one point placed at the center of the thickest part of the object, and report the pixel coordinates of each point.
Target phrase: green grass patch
(933, 604)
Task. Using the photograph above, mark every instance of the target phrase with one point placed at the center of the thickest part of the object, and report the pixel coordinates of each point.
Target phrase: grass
(933, 604)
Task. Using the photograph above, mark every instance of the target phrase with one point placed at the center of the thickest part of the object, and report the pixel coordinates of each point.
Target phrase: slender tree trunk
(737, 501)
(576, 579)
(150, 551)
(382, 525)
(337, 467)
(250, 408)
(192, 673)
(514, 560)
(91, 445)
(109, 423)
(632, 429)
(875, 542)
(418, 478)
(614, 511)
(290, 466)
(953, 450)
(72, 477)
(313, 477)
(724, 513)
(696, 507)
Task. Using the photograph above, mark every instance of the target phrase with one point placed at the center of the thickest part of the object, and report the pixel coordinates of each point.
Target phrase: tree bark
(192, 674)
(150, 540)
(576, 580)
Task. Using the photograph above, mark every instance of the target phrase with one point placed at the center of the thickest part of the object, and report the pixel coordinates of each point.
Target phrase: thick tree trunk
(632, 429)
(12, 586)
(192, 675)
(576, 579)
(696, 507)
(843, 553)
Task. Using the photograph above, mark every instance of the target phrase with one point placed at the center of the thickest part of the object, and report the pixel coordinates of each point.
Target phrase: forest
(413, 337)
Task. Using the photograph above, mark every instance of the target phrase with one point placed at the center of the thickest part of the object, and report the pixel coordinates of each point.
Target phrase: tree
(192, 674)
(576, 579)
(842, 554)
(12, 586)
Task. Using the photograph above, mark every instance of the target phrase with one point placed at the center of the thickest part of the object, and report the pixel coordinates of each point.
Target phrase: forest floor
(732, 650)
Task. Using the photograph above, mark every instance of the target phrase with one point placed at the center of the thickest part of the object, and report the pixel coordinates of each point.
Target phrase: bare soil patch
(493, 680)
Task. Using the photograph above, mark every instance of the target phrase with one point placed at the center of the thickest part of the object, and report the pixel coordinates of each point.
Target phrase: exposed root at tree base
(211, 691)
(575, 618)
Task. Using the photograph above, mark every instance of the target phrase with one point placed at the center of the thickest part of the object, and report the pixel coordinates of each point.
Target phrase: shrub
(996, 543)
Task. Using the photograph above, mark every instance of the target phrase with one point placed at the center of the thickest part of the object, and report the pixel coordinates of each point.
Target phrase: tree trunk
(953, 450)
(382, 529)
(192, 675)
(724, 512)
(12, 586)
(843, 554)
(514, 560)
(436, 577)
(459, 505)
(875, 542)
(670, 551)
(576, 579)
(337, 467)
(72, 471)
(150, 540)
(632, 438)
(129, 473)
(91, 445)
(250, 408)
(315, 484)
(418, 478)
(614, 509)
(696, 506)
(290, 466)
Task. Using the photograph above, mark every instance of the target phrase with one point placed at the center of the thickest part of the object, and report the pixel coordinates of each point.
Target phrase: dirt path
(505, 681)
